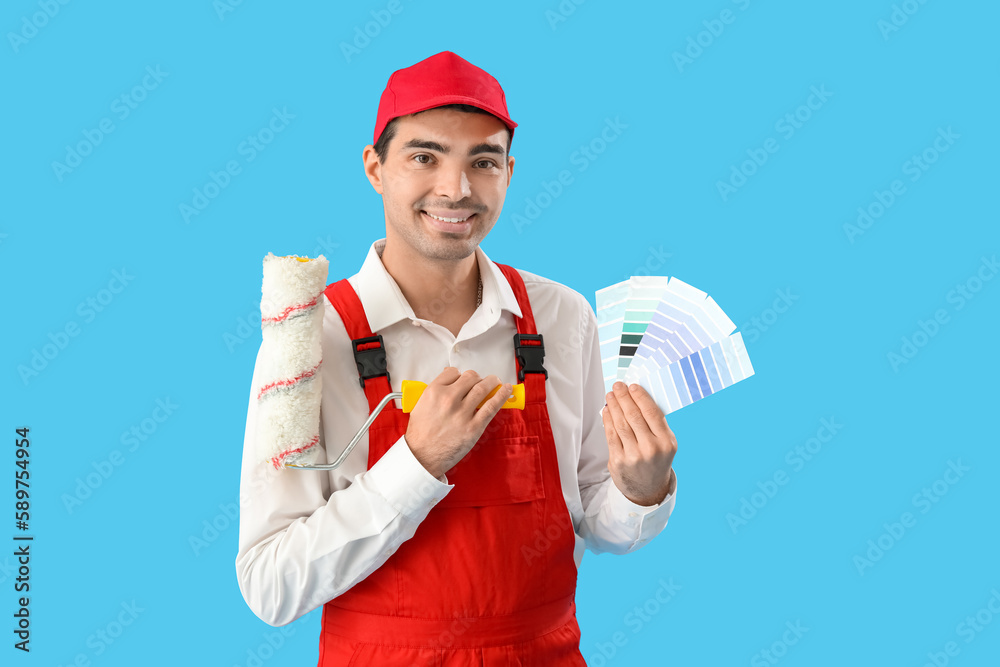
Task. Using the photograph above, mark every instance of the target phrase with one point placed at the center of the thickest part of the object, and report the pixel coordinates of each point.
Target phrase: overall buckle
(371, 361)
(529, 356)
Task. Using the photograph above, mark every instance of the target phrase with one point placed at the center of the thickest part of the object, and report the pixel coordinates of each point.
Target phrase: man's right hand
(445, 424)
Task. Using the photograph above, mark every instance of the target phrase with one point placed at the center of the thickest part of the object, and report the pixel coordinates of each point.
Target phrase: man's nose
(452, 182)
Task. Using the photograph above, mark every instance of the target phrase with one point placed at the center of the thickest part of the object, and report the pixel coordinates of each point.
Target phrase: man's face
(448, 164)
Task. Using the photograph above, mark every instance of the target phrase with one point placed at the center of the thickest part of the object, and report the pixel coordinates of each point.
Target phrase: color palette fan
(670, 338)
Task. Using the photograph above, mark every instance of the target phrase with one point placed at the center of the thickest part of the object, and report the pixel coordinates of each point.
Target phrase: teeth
(448, 219)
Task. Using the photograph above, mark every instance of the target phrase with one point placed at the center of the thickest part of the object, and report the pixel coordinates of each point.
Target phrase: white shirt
(306, 536)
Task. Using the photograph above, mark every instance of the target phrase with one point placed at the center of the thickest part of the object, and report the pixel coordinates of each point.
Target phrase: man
(452, 535)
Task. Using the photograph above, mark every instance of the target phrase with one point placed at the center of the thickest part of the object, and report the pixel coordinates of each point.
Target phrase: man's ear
(510, 169)
(373, 168)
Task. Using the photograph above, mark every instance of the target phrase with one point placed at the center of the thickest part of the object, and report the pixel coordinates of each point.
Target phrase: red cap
(444, 78)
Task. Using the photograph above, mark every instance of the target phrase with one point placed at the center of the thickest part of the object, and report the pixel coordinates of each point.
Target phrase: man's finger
(615, 447)
(491, 407)
(464, 383)
(447, 376)
(481, 390)
(632, 413)
(619, 421)
(650, 410)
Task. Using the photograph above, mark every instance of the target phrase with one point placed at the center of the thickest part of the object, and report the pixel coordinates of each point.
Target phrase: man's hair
(382, 145)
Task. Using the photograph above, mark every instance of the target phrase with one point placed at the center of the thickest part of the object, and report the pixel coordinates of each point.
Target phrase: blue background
(185, 327)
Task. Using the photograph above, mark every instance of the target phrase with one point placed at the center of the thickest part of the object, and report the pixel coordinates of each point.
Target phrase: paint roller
(289, 385)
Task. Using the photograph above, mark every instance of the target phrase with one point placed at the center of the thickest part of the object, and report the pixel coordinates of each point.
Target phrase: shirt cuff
(405, 483)
(646, 521)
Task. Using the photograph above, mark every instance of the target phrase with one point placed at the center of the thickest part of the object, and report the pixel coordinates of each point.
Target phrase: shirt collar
(385, 304)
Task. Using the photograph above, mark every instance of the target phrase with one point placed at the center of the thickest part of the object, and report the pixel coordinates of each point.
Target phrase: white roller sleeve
(288, 387)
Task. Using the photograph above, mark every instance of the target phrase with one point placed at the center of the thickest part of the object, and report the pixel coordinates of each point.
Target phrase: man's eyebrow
(424, 143)
(487, 148)
(435, 146)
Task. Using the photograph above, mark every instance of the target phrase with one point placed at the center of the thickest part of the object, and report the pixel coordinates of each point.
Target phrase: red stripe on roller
(288, 311)
(276, 461)
(287, 383)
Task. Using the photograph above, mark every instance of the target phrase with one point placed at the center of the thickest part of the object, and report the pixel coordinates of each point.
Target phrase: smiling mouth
(452, 220)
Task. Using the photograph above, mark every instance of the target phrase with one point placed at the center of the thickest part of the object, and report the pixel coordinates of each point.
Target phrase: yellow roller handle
(412, 389)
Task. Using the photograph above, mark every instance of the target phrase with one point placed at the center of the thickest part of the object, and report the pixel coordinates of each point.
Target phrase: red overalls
(488, 579)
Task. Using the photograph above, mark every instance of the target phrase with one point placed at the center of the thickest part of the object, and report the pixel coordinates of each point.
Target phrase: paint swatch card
(610, 319)
(670, 338)
(698, 375)
(644, 293)
(684, 321)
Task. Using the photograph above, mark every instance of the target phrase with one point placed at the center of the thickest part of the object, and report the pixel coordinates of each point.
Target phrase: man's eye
(420, 155)
(488, 163)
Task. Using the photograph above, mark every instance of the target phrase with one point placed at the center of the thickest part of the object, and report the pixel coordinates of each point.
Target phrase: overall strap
(369, 352)
(529, 348)
(525, 323)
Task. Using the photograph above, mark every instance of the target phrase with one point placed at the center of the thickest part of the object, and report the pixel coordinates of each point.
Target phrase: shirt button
(415, 323)
(633, 514)
(456, 348)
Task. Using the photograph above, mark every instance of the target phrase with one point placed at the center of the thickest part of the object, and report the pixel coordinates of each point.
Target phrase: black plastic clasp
(529, 356)
(371, 361)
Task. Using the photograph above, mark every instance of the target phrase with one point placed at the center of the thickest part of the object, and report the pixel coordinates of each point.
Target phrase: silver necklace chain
(479, 296)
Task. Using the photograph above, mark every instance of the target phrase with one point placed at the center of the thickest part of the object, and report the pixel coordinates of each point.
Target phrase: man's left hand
(641, 446)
